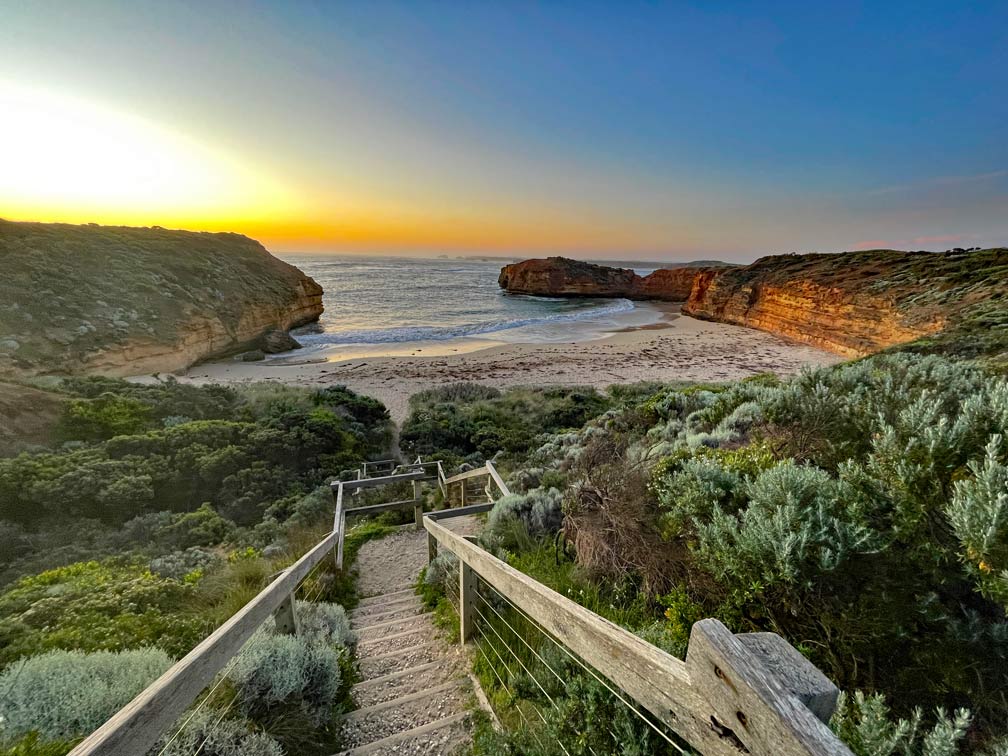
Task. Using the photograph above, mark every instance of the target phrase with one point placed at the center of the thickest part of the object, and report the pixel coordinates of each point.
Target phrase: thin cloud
(939, 181)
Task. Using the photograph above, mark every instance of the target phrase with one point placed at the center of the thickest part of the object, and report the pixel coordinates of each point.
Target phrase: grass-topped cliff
(852, 303)
(857, 303)
(127, 301)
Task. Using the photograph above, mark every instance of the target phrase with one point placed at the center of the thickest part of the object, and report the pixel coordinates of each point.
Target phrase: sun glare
(66, 159)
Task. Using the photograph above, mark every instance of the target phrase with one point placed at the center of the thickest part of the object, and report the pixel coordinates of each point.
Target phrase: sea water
(377, 305)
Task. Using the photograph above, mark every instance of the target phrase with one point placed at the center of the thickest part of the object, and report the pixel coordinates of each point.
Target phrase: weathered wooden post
(431, 548)
(763, 692)
(285, 617)
(467, 597)
(417, 505)
(462, 493)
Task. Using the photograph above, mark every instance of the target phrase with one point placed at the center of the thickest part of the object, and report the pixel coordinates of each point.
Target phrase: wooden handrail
(727, 693)
(497, 479)
(139, 724)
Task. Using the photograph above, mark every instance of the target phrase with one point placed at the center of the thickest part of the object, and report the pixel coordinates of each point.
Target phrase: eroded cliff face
(563, 277)
(852, 323)
(853, 303)
(131, 301)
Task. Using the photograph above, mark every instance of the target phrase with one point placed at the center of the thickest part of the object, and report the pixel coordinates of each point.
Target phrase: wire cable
(592, 672)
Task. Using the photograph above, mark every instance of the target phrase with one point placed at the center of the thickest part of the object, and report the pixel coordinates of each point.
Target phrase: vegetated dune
(124, 301)
(853, 303)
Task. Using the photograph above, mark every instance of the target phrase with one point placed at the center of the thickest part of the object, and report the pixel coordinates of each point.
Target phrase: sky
(617, 130)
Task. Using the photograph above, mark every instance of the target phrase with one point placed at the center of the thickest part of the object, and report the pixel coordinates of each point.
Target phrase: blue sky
(667, 130)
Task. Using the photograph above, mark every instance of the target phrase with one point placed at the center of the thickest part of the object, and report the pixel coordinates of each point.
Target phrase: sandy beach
(676, 348)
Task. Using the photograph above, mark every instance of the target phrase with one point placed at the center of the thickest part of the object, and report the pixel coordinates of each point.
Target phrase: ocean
(382, 305)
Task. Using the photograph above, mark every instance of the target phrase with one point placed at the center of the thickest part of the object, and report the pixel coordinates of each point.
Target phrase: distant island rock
(563, 277)
(852, 303)
(122, 301)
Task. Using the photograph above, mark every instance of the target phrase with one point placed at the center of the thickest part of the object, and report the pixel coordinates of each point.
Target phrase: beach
(675, 348)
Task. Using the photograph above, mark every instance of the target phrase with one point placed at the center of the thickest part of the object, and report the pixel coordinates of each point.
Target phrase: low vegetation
(858, 511)
(185, 501)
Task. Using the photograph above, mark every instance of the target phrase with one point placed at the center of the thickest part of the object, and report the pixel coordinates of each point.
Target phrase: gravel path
(413, 691)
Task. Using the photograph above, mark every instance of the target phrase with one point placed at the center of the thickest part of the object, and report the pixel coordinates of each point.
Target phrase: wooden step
(395, 661)
(402, 640)
(398, 611)
(398, 715)
(441, 736)
(395, 684)
(382, 598)
(362, 613)
(394, 627)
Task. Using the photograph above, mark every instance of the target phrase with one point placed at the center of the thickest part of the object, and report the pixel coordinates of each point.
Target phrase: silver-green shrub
(535, 514)
(286, 670)
(320, 623)
(324, 623)
(66, 694)
(207, 734)
(864, 723)
(443, 571)
(979, 516)
(178, 564)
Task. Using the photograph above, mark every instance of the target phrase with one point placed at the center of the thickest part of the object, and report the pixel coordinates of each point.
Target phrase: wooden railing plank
(498, 479)
(384, 480)
(661, 683)
(750, 699)
(655, 679)
(466, 475)
(371, 509)
(139, 724)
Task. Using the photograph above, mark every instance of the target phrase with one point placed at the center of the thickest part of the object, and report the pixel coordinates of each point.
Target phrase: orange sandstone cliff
(852, 303)
(563, 277)
(129, 301)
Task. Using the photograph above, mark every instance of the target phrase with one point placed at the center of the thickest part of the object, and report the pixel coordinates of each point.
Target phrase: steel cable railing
(621, 697)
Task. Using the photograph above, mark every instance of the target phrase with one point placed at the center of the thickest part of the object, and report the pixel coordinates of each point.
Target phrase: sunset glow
(419, 128)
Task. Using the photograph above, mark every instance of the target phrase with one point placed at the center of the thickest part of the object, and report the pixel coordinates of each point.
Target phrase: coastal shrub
(487, 422)
(858, 510)
(321, 623)
(92, 606)
(181, 564)
(864, 722)
(288, 672)
(536, 514)
(979, 517)
(442, 572)
(270, 447)
(62, 695)
(102, 418)
(202, 527)
(207, 734)
(455, 393)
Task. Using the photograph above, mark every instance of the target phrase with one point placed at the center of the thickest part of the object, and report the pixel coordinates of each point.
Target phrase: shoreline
(677, 348)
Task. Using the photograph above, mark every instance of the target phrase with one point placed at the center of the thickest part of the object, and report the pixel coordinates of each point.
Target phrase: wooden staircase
(413, 692)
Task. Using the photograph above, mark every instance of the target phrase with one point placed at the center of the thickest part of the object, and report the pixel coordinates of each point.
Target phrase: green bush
(102, 418)
(286, 671)
(207, 734)
(859, 511)
(93, 606)
(63, 695)
(864, 723)
(515, 518)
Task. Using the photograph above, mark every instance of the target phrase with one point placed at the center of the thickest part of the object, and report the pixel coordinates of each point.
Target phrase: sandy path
(393, 562)
(681, 349)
